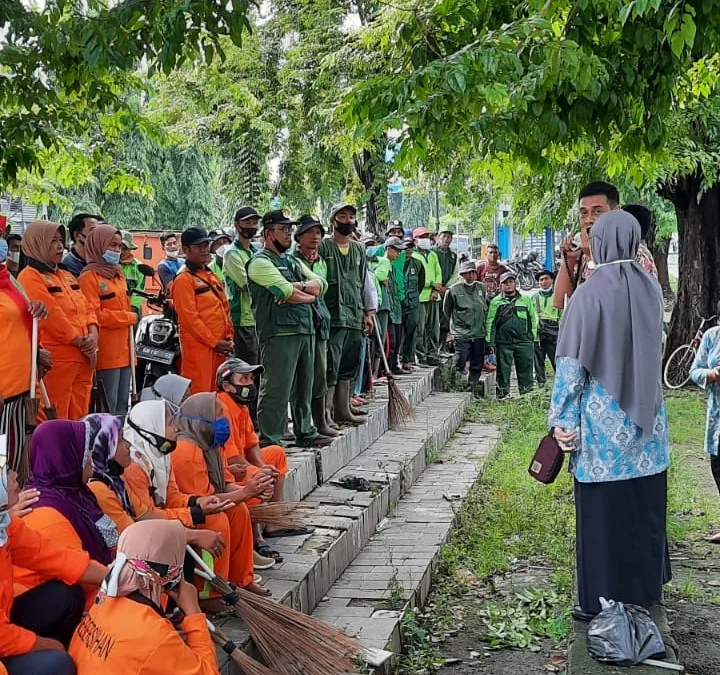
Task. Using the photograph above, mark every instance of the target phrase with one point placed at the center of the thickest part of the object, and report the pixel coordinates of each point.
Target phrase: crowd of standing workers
(284, 324)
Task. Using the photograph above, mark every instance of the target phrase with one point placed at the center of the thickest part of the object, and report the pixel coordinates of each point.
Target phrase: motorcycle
(157, 340)
(526, 267)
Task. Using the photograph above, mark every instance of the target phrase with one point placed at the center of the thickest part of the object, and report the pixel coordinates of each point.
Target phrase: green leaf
(677, 43)
(689, 30)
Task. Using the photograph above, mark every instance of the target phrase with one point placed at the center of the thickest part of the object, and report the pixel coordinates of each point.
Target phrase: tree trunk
(367, 169)
(699, 253)
(659, 249)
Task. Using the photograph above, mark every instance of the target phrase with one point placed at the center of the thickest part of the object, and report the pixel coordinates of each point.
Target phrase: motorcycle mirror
(146, 270)
(147, 252)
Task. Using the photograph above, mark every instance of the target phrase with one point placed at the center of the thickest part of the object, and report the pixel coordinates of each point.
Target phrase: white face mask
(424, 244)
(171, 255)
(14, 257)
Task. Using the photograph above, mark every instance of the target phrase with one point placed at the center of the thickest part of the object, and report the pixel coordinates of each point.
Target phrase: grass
(510, 519)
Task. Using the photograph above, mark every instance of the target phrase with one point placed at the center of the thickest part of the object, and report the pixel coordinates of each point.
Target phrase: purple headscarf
(58, 455)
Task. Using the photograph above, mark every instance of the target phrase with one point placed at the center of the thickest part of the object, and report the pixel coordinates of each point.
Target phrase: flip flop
(266, 552)
(354, 483)
(297, 532)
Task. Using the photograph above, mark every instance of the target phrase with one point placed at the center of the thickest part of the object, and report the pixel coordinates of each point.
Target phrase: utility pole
(437, 203)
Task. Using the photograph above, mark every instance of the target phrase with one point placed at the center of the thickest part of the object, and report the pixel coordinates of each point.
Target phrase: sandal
(354, 483)
(266, 552)
(296, 532)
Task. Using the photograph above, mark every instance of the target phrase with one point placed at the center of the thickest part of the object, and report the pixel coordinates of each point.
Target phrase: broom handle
(133, 362)
(382, 347)
(44, 394)
(34, 359)
(203, 565)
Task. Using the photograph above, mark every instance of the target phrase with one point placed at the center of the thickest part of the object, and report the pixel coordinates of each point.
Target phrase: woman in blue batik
(607, 408)
(705, 372)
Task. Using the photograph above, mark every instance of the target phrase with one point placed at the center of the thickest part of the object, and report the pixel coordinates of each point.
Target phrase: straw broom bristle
(400, 410)
(247, 664)
(286, 515)
(309, 646)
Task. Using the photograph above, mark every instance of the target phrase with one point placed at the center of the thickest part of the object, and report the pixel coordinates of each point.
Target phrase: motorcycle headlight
(160, 332)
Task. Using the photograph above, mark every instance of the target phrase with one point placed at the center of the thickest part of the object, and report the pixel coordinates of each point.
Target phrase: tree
(629, 84)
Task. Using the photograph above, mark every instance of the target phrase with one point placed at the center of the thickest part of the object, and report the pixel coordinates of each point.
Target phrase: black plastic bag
(624, 635)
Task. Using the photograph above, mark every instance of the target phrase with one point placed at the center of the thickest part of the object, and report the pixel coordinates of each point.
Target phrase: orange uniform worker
(206, 330)
(201, 469)
(105, 287)
(126, 632)
(36, 627)
(71, 334)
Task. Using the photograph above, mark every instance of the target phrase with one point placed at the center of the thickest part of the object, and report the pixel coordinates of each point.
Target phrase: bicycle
(678, 365)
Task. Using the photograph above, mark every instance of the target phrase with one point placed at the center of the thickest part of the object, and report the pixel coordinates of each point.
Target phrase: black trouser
(395, 334)
(545, 349)
(470, 350)
(715, 468)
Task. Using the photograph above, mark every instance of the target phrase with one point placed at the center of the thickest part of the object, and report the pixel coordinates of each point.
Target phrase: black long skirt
(621, 547)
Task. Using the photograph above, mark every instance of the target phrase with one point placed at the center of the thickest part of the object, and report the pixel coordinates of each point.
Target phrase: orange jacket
(139, 488)
(202, 308)
(69, 314)
(191, 471)
(15, 349)
(54, 527)
(108, 299)
(242, 431)
(33, 551)
(120, 636)
(110, 504)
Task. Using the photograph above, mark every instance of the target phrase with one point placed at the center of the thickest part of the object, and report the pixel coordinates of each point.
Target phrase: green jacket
(217, 269)
(448, 265)
(398, 266)
(345, 283)
(235, 265)
(523, 318)
(385, 274)
(271, 278)
(433, 273)
(544, 307)
(319, 267)
(414, 282)
(466, 307)
(135, 280)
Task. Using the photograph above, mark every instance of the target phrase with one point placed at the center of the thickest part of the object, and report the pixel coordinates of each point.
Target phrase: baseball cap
(339, 207)
(127, 240)
(276, 217)
(307, 222)
(245, 212)
(219, 234)
(395, 242)
(393, 225)
(420, 232)
(467, 267)
(446, 230)
(194, 236)
(507, 276)
(548, 273)
(233, 366)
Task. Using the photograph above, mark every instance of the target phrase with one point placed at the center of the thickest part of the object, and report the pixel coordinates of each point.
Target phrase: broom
(284, 515)
(48, 408)
(247, 664)
(400, 411)
(292, 643)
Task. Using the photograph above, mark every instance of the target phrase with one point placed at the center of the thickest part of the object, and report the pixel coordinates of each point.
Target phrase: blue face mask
(111, 257)
(222, 431)
(3, 250)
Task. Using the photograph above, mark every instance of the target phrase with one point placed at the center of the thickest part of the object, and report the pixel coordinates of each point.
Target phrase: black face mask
(244, 394)
(247, 233)
(280, 247)
(344, 228)
(114, 469)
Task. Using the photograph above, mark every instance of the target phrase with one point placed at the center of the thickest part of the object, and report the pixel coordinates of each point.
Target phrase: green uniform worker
(414, 273)
(512, 330)
(218, 243)
(449, 272)
(347, 271)
(428, 334)
(308, 236)
(131, 269)
(548, 324)
(282, 292)
(235, 263)
(389, 315)
(398, 265)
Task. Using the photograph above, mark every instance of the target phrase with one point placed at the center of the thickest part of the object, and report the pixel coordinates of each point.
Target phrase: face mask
(245, 394)
(171, 255)
(280, 247)
(222, 431)
(111, 257)
(114, 469)
(3, 250)
(546, 291)
(14, 257)
(424, 244)
(344, 228)
(468, 282)
(246, 233)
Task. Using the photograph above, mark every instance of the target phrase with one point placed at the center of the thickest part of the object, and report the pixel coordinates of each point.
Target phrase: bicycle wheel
(677, 368)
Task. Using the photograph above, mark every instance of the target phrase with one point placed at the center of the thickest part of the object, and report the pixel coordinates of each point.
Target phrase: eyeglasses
(287, 229)
(163, 445)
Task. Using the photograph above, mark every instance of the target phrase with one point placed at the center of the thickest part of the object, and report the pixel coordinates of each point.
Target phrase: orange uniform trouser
(236, 562)
(272, 455)
(199, 364)
(69, 385)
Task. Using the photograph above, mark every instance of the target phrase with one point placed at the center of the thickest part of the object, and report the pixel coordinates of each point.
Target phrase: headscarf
(102, 432)
(195, 422)
(172, 388)
(149, 416)
(4, 500)
(613, 323)
(143, 548)
(37, 240)
(58, 455)
(96, 244)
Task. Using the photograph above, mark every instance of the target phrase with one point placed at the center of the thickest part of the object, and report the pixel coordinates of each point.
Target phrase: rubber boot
(355, 410)
(329, 402)
(342, 405)
(318, 415)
